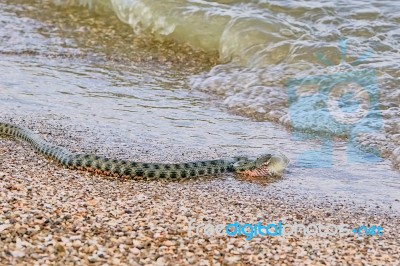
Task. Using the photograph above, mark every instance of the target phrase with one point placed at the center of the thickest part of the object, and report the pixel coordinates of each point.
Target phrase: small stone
(17, 187)
(135, 251)
(116, 261)
(137, 243)
(18, 253)
(169, 243)
(189, 254)
(93, 258)
(60, 249)
(91, 202)
(141, 197)
(67, 217)
(160, 261)
(4, 227)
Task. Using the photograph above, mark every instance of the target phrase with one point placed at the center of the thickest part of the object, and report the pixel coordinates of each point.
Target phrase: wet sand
(51, 215)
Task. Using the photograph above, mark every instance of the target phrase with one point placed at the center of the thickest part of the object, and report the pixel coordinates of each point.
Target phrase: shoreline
(86, 82)
(85, 218)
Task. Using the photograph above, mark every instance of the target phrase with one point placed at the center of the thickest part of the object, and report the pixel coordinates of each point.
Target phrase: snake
(266, 165)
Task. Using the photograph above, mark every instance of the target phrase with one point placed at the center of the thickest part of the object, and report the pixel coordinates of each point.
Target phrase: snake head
(265, 165)
(263, 160)
(244, 164)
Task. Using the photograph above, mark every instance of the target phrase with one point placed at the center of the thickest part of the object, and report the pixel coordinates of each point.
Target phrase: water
(317, 81)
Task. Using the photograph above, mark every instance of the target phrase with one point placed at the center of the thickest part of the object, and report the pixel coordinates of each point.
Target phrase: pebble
(169, 243)
(4, 227)
(135, 251)
(17, 253)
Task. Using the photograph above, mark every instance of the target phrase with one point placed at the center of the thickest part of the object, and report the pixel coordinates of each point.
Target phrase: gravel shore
(54, 216)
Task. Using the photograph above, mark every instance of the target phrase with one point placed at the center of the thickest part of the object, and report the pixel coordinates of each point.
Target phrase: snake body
(265, 165)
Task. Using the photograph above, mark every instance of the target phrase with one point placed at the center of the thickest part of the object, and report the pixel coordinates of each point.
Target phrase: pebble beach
(180, 81)
(50, 215)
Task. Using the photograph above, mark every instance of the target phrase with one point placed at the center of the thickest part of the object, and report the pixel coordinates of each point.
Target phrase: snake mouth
(274, 167)
(262, 171)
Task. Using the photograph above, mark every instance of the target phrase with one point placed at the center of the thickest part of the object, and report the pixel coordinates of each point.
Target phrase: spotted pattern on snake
(265, 165)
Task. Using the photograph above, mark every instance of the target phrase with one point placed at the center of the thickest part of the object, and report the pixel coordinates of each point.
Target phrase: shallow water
(91, 70)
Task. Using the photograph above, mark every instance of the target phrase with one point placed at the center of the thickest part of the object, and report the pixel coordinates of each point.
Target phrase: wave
(264, 45)
(258, 33)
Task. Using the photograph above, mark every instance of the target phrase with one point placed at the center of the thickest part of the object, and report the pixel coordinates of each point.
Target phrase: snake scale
(265, 165)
